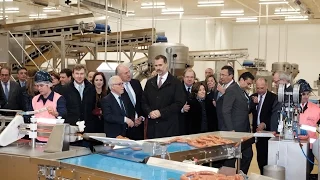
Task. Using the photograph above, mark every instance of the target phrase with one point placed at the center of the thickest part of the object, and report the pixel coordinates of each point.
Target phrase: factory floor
(254, 168)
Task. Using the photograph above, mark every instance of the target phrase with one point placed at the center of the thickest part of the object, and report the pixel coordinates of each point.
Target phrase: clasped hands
(155, 114)
(135, 123)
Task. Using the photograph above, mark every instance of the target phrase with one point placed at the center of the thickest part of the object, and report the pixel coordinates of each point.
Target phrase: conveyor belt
(123, 167)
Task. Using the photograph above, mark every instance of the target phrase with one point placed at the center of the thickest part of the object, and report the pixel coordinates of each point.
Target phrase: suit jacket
(14, 102)
(168, 99)
(183, 121)
(232, 110)
(136, 133)
(20, 83)
(113, 115)
(268, 113)
(79, 110)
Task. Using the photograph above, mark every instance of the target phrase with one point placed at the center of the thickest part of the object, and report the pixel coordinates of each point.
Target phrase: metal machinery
(288, 150)
(157, 160)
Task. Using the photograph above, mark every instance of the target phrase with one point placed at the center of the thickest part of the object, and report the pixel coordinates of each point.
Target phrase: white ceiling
(250, 7)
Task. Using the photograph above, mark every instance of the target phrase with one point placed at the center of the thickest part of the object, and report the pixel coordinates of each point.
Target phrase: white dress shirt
(119, 103)
(227, 85)
(128, 87)
(77, 86)
(163, 78)
(8, 85)
(187, 87)
(260, 98)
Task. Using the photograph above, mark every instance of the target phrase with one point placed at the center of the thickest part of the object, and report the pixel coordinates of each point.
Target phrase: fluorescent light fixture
(130, 13)
(172, 11)
(273, 2)
(150, 5)
(280, 11)
(10, 10)
(38, 16)
(6, 17)
(232, 13)
(296, 18)
(8, 0)
(247, 19)
(210, 3)
(51, 9)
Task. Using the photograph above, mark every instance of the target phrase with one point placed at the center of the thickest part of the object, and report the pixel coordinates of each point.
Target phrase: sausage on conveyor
(208, 175)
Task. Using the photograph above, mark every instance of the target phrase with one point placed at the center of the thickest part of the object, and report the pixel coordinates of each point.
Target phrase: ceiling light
(247, 19)
(286, 11)
(150, 5)
(1, 17)
(8, 0)
(273, 2)
(232, 13)
(10, 10)
(172, 11)
(130, 13)
(296, 18)
(37, 16)
(51, 9)
(210, 3)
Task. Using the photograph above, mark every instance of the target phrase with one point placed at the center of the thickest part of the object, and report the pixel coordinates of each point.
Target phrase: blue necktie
(130, 94)
(122, 106)
(6, 90)
(258, 109)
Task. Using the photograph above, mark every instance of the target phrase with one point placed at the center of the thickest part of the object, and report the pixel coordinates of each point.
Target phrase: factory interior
(155, 115)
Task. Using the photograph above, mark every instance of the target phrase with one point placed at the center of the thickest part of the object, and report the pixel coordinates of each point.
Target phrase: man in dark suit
(22, 76)
(133, 91)
(188, 80)
(264, 107)
(118, 112)
(232, 107)
(80, 96)
(162, 101)
(11, 92)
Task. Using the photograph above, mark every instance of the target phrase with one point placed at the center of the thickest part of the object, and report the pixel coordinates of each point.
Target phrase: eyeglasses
(118, 84)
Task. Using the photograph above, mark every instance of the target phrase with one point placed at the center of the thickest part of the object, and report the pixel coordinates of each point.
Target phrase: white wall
(303, 45)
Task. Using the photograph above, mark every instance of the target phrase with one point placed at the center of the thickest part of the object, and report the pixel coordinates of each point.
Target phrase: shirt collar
(263, 95)
(164, 77)
(7, 82)
(77, 85)
(187, 86)
(115, 95)
(50, 97)
(227, 85)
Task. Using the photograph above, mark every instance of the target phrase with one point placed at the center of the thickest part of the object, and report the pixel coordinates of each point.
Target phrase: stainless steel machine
(288, 150)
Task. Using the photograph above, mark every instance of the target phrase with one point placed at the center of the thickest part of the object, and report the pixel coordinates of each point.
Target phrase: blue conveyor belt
(123, 167)
(139, 156)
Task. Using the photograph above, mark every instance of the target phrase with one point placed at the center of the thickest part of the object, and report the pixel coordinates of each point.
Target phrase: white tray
(117, 142)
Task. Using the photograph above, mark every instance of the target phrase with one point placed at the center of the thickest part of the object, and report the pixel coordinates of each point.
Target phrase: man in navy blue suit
(117, 110)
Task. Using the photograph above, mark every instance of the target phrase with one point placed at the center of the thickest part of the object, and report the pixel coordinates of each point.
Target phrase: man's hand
(214, 103)
(137, 121)
(129, 122)
(255, 99)
(52, 111)
(261, 127)
(155, 114)
(221, 89)
(186, 107)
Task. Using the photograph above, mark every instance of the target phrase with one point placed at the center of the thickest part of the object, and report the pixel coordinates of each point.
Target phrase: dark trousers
(311, 158)
(245, 162)
(262, 153)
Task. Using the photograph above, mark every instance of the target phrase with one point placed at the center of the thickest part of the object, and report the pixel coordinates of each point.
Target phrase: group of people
(165, 107)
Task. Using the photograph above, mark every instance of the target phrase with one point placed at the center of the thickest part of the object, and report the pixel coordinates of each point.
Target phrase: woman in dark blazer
(198, 117)
(100, 84)
(212, 93)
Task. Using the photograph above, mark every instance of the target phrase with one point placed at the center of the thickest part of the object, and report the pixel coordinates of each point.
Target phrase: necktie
(258, 109)
(130, 94)
(122, 105)
(188, 89)
(81, 91)
(160, 82)
(6, 90)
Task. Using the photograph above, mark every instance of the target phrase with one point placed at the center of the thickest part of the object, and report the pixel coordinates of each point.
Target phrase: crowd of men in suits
(161, 109)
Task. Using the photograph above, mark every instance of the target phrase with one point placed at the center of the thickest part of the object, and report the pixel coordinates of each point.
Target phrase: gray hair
(111, 81)
(285, 77)
(119, 66)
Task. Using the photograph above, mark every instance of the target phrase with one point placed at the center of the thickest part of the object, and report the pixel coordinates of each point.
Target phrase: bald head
(123, 72)
(208, 72)
(261, 86)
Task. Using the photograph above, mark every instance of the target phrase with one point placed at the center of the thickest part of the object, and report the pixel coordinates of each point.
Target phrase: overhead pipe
(267, 26)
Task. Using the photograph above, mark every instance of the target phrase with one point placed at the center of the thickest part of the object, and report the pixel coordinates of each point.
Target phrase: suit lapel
(116, 101)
